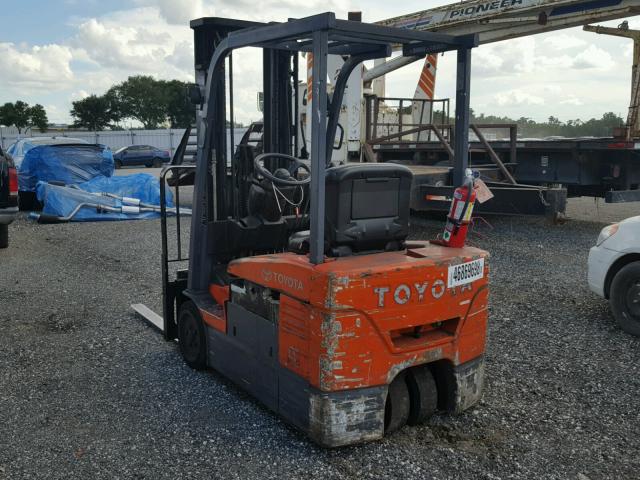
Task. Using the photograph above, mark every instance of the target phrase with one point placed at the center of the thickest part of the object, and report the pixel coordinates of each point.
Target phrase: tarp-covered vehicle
(61, 160)
(130, 197)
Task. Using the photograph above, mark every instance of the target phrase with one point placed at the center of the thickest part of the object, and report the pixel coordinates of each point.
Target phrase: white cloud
(628, 50)
(46, 66)
(79, 95)
(279, 10)
(119, 42)
(552, 89)
(571, 101)
(180, 12)
(508, 58)
(550, 74)
(593, 57)
(517, 98)
(563, 41)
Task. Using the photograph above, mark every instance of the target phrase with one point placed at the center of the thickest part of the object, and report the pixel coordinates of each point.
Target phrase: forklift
(302, 286)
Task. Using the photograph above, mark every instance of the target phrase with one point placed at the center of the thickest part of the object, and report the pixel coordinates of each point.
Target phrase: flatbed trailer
(595, 167)
(527, 176)
(432, 191)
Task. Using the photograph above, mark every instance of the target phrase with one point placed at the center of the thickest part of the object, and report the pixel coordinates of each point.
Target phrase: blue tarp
(69, 164)
(60, 201)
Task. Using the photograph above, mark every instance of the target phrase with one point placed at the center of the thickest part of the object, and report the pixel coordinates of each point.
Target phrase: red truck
(8, 196)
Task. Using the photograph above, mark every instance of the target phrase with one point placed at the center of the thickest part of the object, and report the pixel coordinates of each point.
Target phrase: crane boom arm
(616, 32)
(496, 20)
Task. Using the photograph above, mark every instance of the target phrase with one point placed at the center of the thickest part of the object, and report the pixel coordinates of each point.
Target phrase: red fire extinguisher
(464, 197)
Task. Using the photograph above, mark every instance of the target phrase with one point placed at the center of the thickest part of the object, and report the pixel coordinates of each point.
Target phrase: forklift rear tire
(625, 298)
(191, 337)
(397, 406)
(423, 393)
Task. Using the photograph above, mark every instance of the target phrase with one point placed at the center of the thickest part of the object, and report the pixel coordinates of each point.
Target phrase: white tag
(465, 273)
(482, 191)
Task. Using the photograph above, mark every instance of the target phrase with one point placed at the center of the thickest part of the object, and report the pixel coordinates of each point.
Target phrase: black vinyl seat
(366, 209)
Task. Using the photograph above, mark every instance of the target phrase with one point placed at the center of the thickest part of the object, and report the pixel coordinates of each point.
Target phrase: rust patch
(399, 367)
(330, 330)
(432, 355)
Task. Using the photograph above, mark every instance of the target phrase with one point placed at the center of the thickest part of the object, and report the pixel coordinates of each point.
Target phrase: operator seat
(366, 209)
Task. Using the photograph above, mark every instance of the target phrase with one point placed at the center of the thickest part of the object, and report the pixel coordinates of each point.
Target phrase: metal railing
(430, 112)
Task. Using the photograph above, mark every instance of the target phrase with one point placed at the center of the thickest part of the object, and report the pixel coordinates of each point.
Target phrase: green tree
(153, 103)
(23, 117)
(142, 98)
(527, 127)
(38, 117)
(94, 112)
(180, 111)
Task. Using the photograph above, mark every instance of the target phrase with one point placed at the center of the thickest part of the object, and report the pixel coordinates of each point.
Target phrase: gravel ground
(88, 391)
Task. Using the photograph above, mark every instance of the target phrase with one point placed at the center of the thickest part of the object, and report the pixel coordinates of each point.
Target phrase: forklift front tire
(191, 336)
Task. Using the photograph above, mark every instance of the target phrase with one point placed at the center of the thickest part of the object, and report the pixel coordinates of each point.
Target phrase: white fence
(164, 139)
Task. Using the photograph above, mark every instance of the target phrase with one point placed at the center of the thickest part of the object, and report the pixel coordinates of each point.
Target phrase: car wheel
(118, 164)
(191, 337)
(4, 236)
(157, 162)
(26, 201)
(625, 298)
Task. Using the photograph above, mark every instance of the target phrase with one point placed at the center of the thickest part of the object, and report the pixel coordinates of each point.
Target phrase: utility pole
(633, 118)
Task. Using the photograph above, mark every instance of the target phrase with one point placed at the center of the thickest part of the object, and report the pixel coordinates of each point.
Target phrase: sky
(53, 52)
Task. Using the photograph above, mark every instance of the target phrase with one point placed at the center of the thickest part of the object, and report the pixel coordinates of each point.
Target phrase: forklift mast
(220, 181)
(216, 236)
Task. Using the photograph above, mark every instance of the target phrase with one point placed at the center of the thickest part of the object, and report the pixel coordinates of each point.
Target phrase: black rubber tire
(118, 164)
(4, 236)
(191, 337)
(625, 298)
(26, 201)
(157, 162)
(423, 393)
(397, 406)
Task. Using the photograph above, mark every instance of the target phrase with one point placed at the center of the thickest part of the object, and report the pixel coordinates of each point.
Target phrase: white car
(614, 271)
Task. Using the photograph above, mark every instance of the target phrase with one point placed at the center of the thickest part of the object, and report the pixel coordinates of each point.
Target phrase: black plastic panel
(248, 354)
(367, 206)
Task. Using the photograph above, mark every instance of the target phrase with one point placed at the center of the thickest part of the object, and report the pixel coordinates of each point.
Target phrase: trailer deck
(527, 176)
(598, 167)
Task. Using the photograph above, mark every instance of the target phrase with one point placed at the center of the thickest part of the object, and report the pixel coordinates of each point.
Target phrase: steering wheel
(295, 164)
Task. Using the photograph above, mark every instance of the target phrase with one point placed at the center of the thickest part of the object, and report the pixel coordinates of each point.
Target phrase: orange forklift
(302, 287)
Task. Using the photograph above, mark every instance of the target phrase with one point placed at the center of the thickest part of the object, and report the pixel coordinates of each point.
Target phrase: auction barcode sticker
(465, 273)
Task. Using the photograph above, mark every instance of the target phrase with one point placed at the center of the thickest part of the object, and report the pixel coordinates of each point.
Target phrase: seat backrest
(367, 206)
